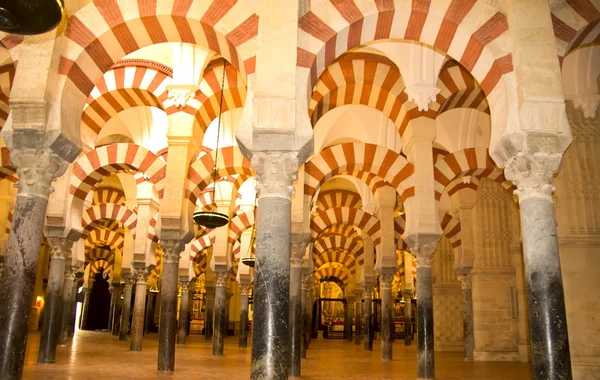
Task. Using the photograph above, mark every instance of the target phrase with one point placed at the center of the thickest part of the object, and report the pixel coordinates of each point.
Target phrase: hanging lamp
(213, 218)
(29, 17)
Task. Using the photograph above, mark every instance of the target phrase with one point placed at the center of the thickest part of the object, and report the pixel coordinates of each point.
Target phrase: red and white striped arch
(92, 167)
(342, 230)
(576, 23)
(103, 236)
(337, 256)
(234, 95)
(338, 198)
(467, 162)
(353, 246)
(361, 219)
(472, 32)
(451, 227)
(108, 195)
(98, 253)
(126, 217)
(333, 270)
(459, 90)
(238, 224)
(96, 265)
(350, 157)
(201, 243)
(200, 173)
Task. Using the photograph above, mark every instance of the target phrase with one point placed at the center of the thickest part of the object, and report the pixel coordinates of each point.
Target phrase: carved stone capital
(298, 251)
(70, 273)
(179, 94)
(587, 104)
(532, 174)
(172, 250)
(275, 173)
(465, 281)
(57, 250)
(140, 276)
(221, 278)
(367, 292)
(37, 168)
(245, 289)
(128, 283)
(408, 294)
(423, 247)
(422, 95)
(385, 281)
(185, 286)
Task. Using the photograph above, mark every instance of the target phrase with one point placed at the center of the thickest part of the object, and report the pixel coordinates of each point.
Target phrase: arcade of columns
(407, 147)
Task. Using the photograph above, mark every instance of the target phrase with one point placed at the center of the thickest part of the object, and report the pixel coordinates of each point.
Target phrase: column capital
(70, 273)
(532, 174)
(368, 291)
(128, 282)
(275, 173)
(221, 279)
(245, 289)
(57, 250)
(465, 281)
(140, 276)
(172, 250)
(298, 251)
(37, 168)
(407, 294)
(385, 281)
(185, 286)
(423, 247)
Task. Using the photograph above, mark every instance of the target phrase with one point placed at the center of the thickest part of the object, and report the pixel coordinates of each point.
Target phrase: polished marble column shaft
(183, 313)
(167, 331)
(68, 299)
(118, 305)
(126, 310)
(408, 333)
(349, 318)
(295, 313)
(84, 308)
(385, 281)
(468, 330)
(219, 313)
(358, 319)
(425, 338)
(139, 308)
(243, 338)
(209, 312)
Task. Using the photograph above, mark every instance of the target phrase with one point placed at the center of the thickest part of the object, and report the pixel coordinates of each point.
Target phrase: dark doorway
(99, 306)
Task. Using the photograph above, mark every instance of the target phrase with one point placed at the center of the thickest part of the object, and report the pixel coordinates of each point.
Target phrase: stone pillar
(464, 276)
(117, 309)
(270, 353)
(243, 340)
(227, 308)
(385, 282)
(208, 311)
(84, 308)
(72, 321)
(51, 324)
(367, 294)
(408, 295)
(139, 308)
(349, 317)
(219, 313)
(306, 283)
(167, 329)
(126, 310)
(67, 304)
(183, 312)
(149, 324)
(36, 169)
(190, 310)
(295, 323)
(111, 290)
(532, 174)
(358, 318)
(425, 360)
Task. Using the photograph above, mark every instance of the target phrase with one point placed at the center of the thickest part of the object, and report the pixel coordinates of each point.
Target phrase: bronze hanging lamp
(30, 16)
(213, 218)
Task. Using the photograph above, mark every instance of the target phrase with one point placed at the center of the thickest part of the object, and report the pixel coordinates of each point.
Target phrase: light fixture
(213, 218)
(30, 16)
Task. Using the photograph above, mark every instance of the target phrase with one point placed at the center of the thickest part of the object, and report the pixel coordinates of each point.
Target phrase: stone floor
(96, 356)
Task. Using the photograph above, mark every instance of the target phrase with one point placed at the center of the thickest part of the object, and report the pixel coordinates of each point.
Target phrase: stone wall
(577, 201)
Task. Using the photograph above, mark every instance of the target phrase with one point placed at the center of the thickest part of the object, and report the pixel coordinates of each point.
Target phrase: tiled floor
(96, 356)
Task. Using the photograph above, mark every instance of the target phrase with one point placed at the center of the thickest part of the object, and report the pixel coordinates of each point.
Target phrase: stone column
(190, 310)
(464, 276)
(84, 308)
(72, 321)
(425, 360)
(408, 295)
(270, 353)
(243, 340)
(358, 316)
(209, 311)
(295, 323)
(51, 324)
(367, 294)
(349, 316)
(117, 309)
(532, 174)
(385, 282)
(219, 313)
(167, 329)
(183, 313)
(306, 283)
(227, 308)
(139, 308)
(67, 304)
(149, 324)
(126, 310)
(36, 169)
(111, 290)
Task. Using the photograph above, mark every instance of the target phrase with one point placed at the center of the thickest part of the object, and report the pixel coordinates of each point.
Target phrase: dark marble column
(149, 324)
(36, 169)
(219, 313)
(139, 308)
(306, 284)
(115, 327)
(532, 174)
(190, 310)
(385, 282)
(358, 317)
(167, 331)
(51, 323)
(408, 296)
(73, 320)
(270, 335)
(425, 359)
(85, 306)
(126, 310)
(209, 311)
(67, 304)
(111, 290)
(368, 336)
(349, 309)
(295, 325)
(227, 308)
(183, 312)
(243, 339)
(464, 276)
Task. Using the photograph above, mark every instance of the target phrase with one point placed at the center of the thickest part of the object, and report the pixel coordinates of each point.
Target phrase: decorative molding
(36, 168)
(588, 105)
(181, 93)
(422, 95)
(385, 281)
(275, 173)
(465, 281)
(532, 174)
